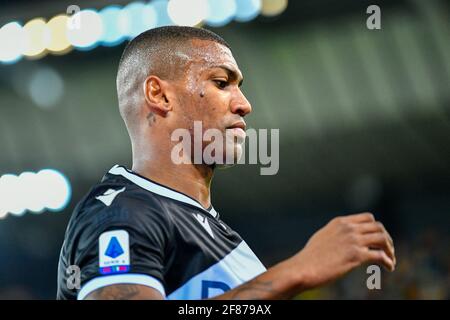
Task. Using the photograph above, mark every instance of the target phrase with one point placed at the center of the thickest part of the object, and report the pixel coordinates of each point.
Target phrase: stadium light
(113, 24)
(138, 17)
(273, 7)
(247, 10)
(220, 12)
(187, 12)
(48, 189)
(87, 34)
(59, 190)
(10, 191)
(37, 36)
(12, 42)
(58, 43)
(40, 80)
(163, 16)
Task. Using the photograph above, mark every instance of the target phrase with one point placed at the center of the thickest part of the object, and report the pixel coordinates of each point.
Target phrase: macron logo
(204, 222)
(108, 197)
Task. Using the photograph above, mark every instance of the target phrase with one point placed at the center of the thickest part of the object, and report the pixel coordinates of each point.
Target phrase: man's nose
(240, 105)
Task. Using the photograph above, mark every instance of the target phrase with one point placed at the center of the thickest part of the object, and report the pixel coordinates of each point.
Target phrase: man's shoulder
(116, 191)
(117, 201)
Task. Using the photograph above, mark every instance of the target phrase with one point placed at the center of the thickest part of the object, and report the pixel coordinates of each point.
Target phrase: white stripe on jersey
(158, 189)
(236, 268)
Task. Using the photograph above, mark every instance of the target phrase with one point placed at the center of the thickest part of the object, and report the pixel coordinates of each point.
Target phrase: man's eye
(221, 83)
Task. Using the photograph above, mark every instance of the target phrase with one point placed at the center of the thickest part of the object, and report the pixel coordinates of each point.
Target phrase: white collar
(157, 188)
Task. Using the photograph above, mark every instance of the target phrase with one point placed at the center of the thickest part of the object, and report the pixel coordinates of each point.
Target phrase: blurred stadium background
(364, 119)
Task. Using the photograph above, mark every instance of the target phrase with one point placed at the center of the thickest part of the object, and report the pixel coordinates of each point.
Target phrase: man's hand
(342, 245)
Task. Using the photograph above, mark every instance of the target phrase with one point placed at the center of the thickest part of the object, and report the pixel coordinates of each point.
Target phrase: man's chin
(225, 165)
(233, 159)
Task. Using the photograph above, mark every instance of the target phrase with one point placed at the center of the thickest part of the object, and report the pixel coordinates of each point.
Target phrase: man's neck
(192, 180)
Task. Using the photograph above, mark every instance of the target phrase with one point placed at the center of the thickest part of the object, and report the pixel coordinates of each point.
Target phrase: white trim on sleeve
(130, 278)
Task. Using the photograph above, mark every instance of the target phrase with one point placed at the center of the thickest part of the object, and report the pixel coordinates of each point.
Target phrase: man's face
(209, 91)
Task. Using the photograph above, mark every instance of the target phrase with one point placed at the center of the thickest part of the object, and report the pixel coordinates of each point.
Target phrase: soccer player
(151, 232)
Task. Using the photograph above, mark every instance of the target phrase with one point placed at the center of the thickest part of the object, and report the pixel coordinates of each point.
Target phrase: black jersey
(129, 229)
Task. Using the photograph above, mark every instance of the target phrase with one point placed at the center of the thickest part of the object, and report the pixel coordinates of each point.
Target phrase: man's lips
(238, 125)
(238, 129)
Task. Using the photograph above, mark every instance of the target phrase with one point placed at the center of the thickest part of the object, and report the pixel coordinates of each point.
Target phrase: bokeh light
(114, 28)
(42, 79)
(48, 189)
(13, 43)
(161, 10)
(86, 29)
(37, 36)
(58, 43)
(10, 194)
(89, 30)
(58, 189)
(187, 12)
(137, 17)
(220, 12)
(247, 10)
(273, 7)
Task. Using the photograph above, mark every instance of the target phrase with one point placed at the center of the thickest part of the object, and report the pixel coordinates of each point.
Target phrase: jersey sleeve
(126, 242)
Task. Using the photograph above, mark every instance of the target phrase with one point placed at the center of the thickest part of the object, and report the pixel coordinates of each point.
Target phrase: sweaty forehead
(207, 53)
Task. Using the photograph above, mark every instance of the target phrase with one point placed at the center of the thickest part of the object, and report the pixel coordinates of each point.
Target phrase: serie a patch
(114, 252)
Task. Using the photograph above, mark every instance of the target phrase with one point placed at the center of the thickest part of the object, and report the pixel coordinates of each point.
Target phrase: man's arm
(125, 292)
(342, 245)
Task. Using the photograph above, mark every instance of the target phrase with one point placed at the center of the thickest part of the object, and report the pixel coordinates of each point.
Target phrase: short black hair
(156, 51)
(167, 34)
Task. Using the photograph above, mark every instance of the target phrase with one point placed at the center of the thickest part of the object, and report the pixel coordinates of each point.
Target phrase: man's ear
(155, 93)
